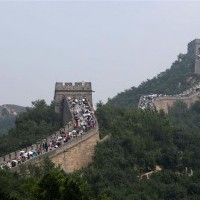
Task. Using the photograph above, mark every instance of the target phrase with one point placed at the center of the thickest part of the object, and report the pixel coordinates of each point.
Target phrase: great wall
(78, 152)
(162, 101)
(75, 153)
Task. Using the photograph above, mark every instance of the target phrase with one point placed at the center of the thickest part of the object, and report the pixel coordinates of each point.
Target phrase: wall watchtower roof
(77, 86)
(76, 90)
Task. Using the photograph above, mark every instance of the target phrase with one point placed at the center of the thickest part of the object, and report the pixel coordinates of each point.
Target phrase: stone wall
(78, 90)
(15, 155)
(197, 64)
(193, 48)
(75, 154)
(66, 113)
(168, 101)
(194, 53)
(79, 155)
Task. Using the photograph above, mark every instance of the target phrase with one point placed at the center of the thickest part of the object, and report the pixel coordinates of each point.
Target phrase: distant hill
(10, 110)
(175, 80)
(8, 113)
(38, 122)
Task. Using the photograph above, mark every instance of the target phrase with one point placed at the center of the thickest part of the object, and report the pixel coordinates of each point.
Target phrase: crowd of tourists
(84, 120)
(147, 101)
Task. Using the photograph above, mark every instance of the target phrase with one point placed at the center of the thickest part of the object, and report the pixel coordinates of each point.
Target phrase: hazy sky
(115, 45)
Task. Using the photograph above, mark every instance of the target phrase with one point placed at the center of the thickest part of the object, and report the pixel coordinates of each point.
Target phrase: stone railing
(70, 144)
(16, 154)
(68, 127)
(166, 101)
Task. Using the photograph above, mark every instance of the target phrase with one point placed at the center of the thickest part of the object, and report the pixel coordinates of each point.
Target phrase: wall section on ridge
(78, 156)
(78, 90)
(73, 155)
(165, 102)
(76, 153)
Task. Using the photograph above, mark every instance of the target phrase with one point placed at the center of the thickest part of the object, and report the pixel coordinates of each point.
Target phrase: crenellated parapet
(16, 154)
(77, 90)
(70, 155)
(81, 134)
(161, 101)
(77, 86)
(71, 147)
(165, 102)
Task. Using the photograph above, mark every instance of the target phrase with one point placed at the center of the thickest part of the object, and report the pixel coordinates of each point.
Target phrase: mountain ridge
(178, 78)
(7, 110)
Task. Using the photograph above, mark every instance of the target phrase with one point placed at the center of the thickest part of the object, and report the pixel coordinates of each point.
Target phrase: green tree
(37, 123)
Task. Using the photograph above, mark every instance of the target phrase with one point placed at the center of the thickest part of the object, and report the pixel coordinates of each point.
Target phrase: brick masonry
(78, 156)
(73, 155)
(166, 102)
(78, 152)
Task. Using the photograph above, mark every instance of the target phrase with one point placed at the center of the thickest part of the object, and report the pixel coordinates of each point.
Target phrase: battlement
(78, 90)
(68, 154)
(73, 86)
(160, 101)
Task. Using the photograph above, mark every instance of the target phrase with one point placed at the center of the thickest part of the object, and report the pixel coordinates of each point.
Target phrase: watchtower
(194, 53)
(78, 90)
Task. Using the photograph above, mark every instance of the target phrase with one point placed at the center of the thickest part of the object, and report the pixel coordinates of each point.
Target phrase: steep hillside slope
(140, 141)
(175, 80)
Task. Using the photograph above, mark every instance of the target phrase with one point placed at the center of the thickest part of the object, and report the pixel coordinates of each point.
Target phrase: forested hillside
(37, 123)
(6, 124)
(175, 80)
(44, 182)
(140, 140)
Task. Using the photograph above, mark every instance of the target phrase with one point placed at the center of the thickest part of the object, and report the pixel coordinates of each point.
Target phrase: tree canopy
(179, 77)
(140, 140)
(38, 122)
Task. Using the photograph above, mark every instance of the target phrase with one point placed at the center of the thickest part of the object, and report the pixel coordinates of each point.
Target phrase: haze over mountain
(116, 45)
(179, 77)
(10, 110)
(139, 143)
(8, 114)
(113, 44)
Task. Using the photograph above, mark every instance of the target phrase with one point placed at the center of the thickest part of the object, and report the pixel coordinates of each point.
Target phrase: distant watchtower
(194, 53)
(78, 90)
